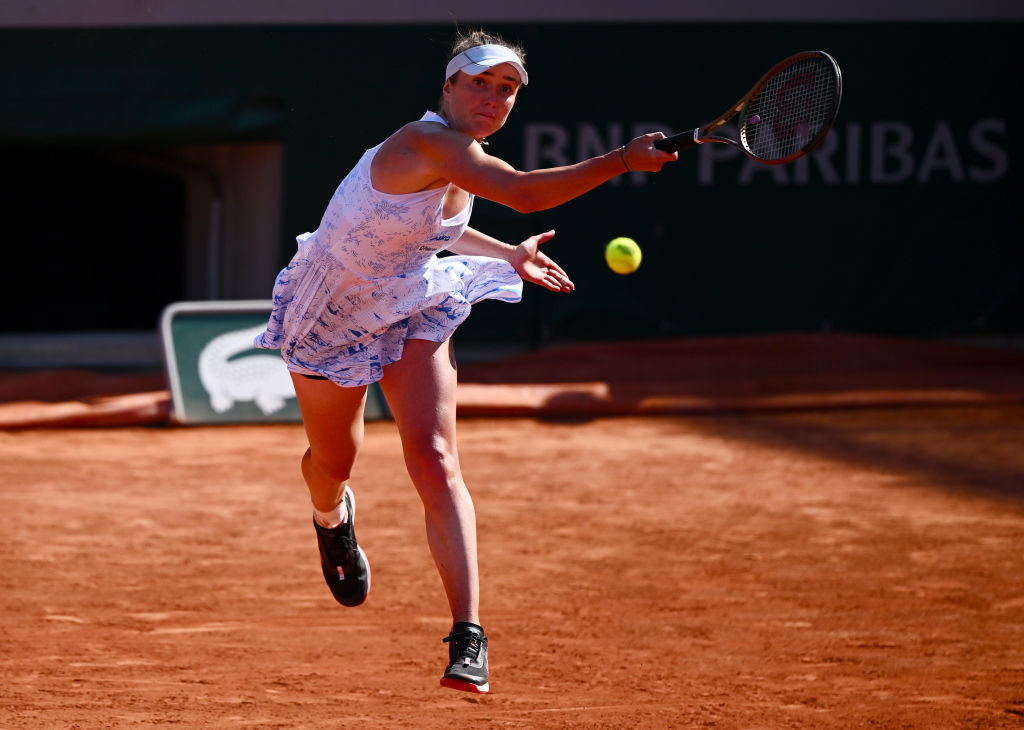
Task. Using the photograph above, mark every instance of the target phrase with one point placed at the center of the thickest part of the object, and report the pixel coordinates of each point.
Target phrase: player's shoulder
(430, 134)
(425, 139)
(434, 145)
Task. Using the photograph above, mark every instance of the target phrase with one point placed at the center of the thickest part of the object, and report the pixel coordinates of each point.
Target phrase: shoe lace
(467, 644)
(339, 537)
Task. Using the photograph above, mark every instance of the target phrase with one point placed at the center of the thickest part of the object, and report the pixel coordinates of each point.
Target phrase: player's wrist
(518, 256)
(624, 157)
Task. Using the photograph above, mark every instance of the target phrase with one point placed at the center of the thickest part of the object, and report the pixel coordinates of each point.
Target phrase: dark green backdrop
(910, 225)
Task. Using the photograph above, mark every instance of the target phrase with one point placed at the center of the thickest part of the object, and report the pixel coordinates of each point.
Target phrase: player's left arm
(529, 261)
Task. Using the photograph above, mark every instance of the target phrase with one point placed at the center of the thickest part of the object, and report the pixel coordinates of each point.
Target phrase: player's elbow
(525, 199)
(526, 205)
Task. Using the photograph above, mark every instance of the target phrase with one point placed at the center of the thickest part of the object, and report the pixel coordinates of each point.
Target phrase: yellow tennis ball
(623, 255)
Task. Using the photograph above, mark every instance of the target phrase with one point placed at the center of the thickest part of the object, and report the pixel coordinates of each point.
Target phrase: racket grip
(681, 141)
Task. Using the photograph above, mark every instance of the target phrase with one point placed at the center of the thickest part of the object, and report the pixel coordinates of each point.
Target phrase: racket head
(791, 109)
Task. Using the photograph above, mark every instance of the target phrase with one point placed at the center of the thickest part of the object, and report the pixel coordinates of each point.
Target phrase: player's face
(479, 105)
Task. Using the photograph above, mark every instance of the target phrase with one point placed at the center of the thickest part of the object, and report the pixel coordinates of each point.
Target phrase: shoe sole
(464, 686)
(367, 564)
(352, 516)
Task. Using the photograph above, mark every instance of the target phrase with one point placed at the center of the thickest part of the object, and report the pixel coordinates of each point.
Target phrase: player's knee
(335, 467)
(434, 469)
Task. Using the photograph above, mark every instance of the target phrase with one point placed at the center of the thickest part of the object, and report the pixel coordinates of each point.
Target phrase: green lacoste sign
(217, 376)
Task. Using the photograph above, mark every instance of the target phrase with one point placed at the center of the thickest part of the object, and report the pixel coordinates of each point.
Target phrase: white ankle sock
(333, 518)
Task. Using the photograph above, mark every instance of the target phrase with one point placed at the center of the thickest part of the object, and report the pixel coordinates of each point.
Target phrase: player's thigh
(420, 390)
(332, 416)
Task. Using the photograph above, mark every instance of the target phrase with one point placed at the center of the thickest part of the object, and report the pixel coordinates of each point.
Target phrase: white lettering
(899, 150)
(822, 158)
(710, 154)
(883, 153)
(590, 143)
(545, 143)
(981, 144)
(750, 166)
(853, 152)
(941, 154)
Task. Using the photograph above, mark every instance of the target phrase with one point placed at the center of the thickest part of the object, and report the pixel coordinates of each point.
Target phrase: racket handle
(681, 141)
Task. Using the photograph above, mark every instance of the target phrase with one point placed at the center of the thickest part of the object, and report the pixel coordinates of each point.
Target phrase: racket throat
(699, 138)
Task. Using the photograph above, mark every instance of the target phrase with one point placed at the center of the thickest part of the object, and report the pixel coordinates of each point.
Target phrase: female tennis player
(366, 299)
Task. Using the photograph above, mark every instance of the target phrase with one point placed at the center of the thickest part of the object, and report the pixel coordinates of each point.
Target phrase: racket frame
(701, 135)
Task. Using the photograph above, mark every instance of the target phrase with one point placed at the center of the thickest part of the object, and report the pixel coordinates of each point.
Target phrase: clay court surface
(852, 559)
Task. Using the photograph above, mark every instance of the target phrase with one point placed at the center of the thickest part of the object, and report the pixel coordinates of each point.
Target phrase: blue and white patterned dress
(369, 278)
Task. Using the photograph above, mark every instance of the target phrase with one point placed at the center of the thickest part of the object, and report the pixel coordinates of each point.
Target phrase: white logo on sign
(260, 378)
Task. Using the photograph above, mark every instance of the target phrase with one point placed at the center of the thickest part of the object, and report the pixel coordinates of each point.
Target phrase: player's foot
(467, 659)
(345, 567)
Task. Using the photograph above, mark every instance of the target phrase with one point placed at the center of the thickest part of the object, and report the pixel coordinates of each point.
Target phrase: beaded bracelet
(622, 156)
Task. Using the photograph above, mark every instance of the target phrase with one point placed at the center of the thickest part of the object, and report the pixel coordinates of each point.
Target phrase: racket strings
(792, 109)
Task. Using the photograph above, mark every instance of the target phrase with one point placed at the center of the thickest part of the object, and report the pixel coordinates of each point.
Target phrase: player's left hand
(537, 267)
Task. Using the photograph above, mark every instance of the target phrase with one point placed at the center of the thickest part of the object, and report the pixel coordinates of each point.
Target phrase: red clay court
(797, 531)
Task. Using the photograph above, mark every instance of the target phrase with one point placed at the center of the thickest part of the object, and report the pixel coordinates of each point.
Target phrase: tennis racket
(786, 115)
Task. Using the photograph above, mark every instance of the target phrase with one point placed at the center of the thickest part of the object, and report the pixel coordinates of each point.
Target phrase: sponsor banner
(217, 376)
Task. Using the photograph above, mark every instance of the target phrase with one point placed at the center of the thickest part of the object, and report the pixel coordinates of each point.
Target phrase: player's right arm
(461, 160)
(437, 155)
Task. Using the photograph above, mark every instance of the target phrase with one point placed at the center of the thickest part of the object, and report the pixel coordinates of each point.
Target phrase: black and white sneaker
(345, 567)
(467, 659)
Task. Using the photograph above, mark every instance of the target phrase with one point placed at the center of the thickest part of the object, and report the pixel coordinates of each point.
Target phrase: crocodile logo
(259, 378)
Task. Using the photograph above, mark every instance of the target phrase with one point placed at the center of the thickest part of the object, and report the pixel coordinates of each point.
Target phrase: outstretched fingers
(539, 268)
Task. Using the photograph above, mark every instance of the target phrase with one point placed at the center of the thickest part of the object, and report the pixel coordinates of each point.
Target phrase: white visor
(478, 59)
